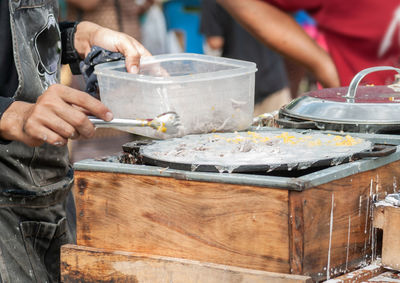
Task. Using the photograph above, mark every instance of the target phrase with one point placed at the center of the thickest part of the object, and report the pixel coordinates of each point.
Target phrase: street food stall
(294, 201)
(317, 224)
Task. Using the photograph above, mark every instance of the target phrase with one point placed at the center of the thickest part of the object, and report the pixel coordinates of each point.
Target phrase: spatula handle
(118, 123)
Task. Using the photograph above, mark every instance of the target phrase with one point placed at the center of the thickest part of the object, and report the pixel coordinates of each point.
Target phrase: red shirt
(359, 34)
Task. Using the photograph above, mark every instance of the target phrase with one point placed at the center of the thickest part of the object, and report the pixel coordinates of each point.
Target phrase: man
(224, 33)
(359, 34)
(37, 117)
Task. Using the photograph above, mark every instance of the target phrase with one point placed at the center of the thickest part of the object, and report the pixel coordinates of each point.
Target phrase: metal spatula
(168, 123)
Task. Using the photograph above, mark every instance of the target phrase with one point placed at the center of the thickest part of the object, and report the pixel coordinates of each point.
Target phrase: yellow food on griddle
(287, 138)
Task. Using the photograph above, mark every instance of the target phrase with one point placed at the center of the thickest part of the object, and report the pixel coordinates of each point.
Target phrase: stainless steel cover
(353, 105)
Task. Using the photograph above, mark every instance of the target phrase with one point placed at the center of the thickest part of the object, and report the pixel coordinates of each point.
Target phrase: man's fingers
(61, 127)
(133, 51)
(58, 115)
(85, 101)
(89, 34)
(78, 121)
(41, 134)
(63, 110)
(132, 56)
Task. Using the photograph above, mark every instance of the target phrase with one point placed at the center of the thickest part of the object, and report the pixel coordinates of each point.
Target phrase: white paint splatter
(371, 185)
(373, 249)
(366, 214)
(348, 243)
(330, 239)
(366, 217)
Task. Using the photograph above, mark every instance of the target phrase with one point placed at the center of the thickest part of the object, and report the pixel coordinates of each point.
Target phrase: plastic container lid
(178, 68)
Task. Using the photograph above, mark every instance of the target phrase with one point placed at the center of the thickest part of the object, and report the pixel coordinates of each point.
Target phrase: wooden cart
(318, 224)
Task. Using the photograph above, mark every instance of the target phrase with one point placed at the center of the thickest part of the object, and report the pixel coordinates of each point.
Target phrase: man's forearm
(280, 31)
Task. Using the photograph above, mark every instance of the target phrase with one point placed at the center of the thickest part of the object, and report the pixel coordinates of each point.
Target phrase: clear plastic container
(210, 94)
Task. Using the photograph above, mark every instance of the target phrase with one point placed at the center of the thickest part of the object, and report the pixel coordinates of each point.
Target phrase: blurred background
(190, 26)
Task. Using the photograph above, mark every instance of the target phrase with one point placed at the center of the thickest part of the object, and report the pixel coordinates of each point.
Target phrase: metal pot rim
(350, 105)
(324, 111)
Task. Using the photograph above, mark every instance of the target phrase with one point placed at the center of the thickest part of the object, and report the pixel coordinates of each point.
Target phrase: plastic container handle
(351, 93)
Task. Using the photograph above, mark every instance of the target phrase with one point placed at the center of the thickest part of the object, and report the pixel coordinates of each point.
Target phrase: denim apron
(34, 181)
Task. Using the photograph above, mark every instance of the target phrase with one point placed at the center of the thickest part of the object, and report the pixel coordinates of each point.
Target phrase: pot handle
(351, 93)
(296, 125)
(376, 151)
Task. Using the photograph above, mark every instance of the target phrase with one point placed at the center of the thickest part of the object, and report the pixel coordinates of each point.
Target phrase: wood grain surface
(89, 265)
(221, 223)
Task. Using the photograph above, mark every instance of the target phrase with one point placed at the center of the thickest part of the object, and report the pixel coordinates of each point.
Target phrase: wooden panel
(379, 217)
(296, 230)
(89, 265)
(221, 223)
(338, 232)
(391, 237)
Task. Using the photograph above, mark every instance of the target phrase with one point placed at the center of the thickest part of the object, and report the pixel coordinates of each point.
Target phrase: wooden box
(318, 225)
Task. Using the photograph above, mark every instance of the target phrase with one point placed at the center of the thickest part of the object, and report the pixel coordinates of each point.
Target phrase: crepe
(228, 151)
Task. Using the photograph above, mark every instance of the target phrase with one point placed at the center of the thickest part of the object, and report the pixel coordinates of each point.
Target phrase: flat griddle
(262, 151)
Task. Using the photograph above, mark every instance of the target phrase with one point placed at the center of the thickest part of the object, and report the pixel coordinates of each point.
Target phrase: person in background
(300, 79)
(37, 118)
(223, 33)
(359, 34)
(121, 15)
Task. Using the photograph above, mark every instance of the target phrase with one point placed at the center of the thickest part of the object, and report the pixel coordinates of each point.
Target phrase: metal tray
(164, 153)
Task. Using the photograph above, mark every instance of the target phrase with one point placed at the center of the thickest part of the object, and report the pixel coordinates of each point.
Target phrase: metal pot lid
(352, 105)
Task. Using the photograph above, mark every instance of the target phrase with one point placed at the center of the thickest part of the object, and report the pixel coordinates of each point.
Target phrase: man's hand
(60, 113)
(89, 34)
